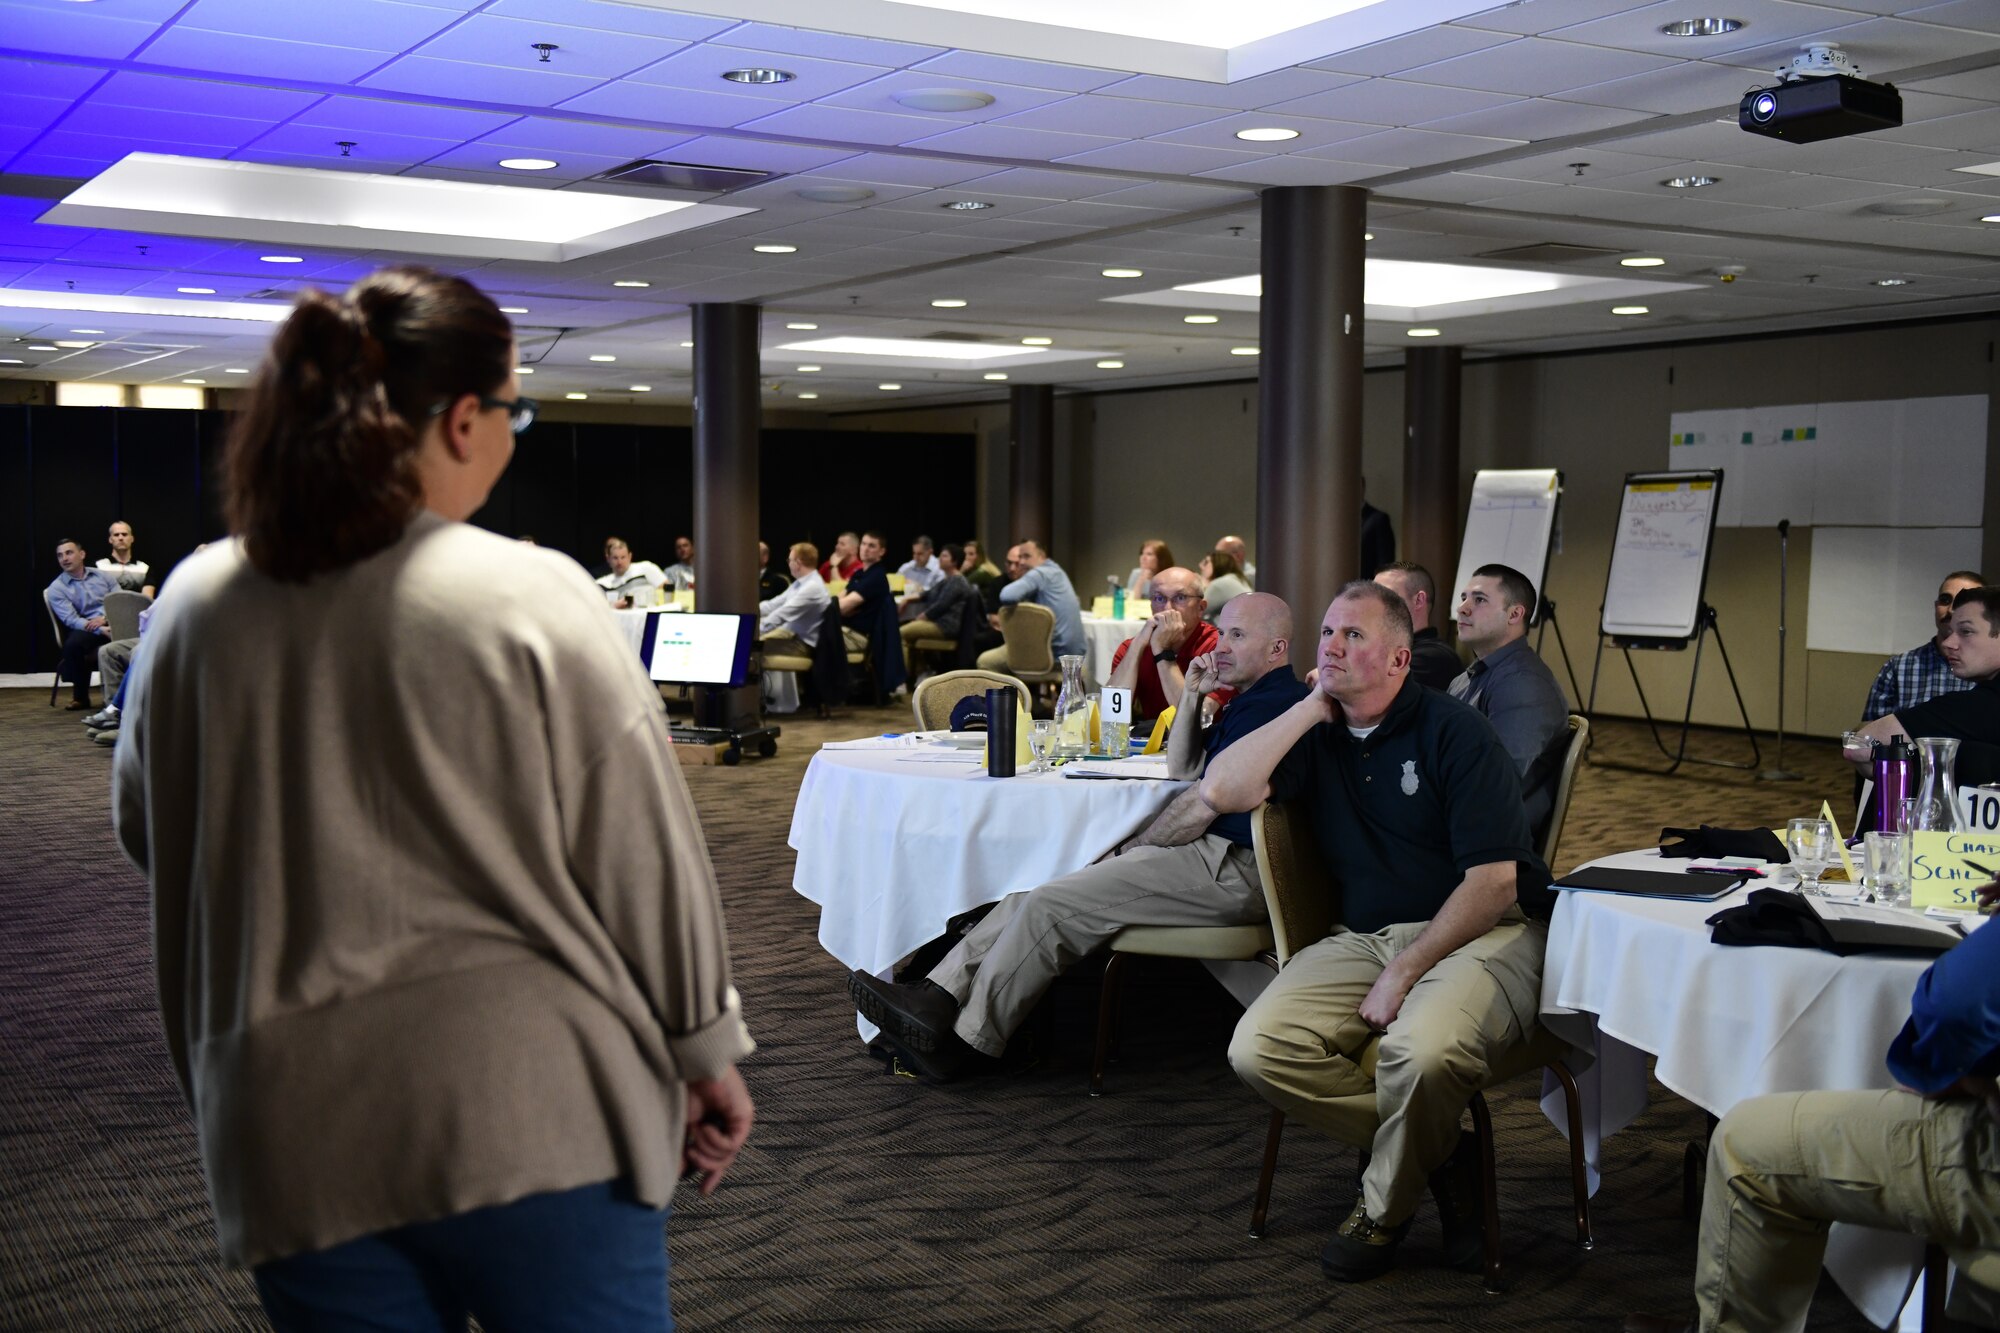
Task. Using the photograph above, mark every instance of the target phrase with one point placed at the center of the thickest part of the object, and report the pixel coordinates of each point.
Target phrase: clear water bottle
(1072, 710)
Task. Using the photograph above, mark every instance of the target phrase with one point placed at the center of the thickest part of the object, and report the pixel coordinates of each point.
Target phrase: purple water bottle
(1895, 771)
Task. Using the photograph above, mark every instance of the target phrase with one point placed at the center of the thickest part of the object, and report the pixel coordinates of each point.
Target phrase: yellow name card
(1940, 873)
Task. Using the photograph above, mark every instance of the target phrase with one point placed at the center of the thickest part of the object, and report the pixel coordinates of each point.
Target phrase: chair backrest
(1030, 634)
(1579, 741)
(54, 623)
(122, 610)
(937, 695)
(1303, 901)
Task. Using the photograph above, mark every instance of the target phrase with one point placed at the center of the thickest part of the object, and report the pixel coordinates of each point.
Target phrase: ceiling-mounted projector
(1820, 95)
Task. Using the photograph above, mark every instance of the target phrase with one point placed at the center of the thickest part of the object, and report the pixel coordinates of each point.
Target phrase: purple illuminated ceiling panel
(488, 40)
(369, 25)
(533, 85)
(209, 97)
(261, 57)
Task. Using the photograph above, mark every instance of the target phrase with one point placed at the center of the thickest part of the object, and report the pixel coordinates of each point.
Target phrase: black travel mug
(1000, 733)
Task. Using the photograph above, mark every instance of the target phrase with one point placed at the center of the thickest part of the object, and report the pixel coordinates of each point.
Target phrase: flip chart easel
(1512, 519)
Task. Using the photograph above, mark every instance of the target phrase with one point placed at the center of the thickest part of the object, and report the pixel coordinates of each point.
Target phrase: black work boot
(918, 1016)
(1362, 1248)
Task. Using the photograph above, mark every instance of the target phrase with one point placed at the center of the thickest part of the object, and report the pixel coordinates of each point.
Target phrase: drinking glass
(1810, 842)
(1042, 740)
(1889, 868)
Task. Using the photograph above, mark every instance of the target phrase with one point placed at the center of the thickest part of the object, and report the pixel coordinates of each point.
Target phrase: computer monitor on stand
(703, 648)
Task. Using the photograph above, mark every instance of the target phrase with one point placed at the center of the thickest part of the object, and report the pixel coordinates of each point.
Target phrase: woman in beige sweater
(441, 961)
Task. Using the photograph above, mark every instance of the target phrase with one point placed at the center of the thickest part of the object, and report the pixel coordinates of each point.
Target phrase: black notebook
(1650, 883)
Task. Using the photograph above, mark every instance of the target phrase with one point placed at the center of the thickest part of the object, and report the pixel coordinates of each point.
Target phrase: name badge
(1116, 706)
(1940, 873)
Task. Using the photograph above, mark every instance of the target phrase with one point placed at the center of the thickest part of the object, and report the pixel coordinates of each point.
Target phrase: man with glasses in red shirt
(1155, 660)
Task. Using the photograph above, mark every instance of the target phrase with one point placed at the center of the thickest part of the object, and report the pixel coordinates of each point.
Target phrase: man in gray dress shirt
(1511, 685)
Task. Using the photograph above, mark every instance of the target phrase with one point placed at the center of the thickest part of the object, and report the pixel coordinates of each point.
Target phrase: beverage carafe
(1937, 785)
(1072, 709)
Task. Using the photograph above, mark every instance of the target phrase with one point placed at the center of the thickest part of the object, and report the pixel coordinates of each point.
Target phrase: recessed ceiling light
(237, 370)
(1423, 333)
(11, 361)
(1700, 27)
(194, 381)
(966, 205)
(1267, 134)
(42, 347)
(1111, 365)
(513, 310)
(601, 356)
(889, 386)
(642, 388)
(1124, 273)
(196, 291)
(775, 249)
(281, 259)
(949, 303)
(1630, 310)
(1367, 235)
(687, 344)
(995, 375)
(802, 325)
(86, 330)
(576, 397)
(1038, 342)
(758, 74)
(631, 282)
(808, 370)
(1891, 282)
(527, 163)
(1689, 182)
(913, 349)
(1200, 319)
(1991, 217)
(835, 194)
(524, 370)
(73, 343)
(808, 395)
(1244, 351)
(943, 99)
(1642, 261)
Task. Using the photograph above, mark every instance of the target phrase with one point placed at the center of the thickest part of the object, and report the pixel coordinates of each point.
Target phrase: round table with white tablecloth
(1101, 637)
(1629, 978)
(895, 837)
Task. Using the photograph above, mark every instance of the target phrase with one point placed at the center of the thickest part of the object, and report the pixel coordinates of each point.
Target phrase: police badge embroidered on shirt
(1409, 777)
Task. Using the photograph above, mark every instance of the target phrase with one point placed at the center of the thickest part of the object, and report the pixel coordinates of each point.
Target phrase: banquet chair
(56, 686)
(1578, 744)
(121, 612)
(1304, 904)
(936, 696)
(1029, 632)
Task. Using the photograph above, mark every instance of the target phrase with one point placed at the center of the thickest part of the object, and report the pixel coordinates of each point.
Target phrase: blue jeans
(587, 1260)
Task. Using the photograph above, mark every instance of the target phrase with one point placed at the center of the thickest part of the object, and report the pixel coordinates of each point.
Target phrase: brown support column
(1431, 513)
(1032, 435)
(728, 415)
(1309, 392)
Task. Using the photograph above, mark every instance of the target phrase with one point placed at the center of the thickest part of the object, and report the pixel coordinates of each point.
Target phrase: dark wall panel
(665, 482)
(608, 496)
(544, 475)
(817, 484)
(159, 486)
(23, 625)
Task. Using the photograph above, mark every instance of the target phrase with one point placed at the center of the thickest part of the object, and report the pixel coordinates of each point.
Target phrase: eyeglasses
(1178, 599)
(520, 411)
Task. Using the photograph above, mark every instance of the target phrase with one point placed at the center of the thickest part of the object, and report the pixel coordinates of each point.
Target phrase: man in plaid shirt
(1911, 678)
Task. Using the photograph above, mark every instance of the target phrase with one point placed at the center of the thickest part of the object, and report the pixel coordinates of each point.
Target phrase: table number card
(1979, 807)
(1116, 705)
(1941, 874)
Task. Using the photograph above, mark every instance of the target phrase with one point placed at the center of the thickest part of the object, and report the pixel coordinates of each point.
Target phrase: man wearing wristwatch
(1154, 661)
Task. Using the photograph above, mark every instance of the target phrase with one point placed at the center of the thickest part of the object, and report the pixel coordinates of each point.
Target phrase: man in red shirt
(1154, 660)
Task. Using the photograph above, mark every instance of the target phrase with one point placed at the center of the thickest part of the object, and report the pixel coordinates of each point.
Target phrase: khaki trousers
(1782, 1168)
(913, 630)
(1004, 963)
(995, 659)
(1304, 1047)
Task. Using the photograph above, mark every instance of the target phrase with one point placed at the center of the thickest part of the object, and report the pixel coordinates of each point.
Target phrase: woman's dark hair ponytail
(321, 468)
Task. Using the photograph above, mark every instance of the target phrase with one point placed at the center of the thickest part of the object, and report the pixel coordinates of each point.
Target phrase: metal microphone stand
(1780, 773)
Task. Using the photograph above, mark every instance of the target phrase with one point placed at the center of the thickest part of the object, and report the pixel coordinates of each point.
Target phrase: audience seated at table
(77, 597)
(869, 609)
(681, 572)
(130, 572)
(1222, 580)
(920, 570)
(941, 609)
(1153, 557)
(1189, 867)
(769, 581)
(1511, 685)
(1923, 1158)
(982, 574)
(1971, 646)
(1154, 660)
(1235, 546)
(1432, 660)
(1038, 579)
(1921, 674)
(628, 578)
(846, 558)
(1377, 1036)
(795, 613)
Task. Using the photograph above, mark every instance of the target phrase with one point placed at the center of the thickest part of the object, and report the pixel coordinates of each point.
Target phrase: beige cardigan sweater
(435, 924)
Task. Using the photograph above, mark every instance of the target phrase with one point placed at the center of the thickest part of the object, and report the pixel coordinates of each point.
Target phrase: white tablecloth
(893, 843)
(1631, 977)
(1101, 638)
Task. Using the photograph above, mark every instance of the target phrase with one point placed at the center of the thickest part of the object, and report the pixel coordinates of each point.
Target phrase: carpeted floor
(863, 1200)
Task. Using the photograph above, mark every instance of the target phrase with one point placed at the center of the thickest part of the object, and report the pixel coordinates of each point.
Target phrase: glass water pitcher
(1072, 709)
(1937, 785)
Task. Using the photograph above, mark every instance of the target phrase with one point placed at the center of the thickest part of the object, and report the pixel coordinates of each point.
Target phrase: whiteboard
(1871, 588)
(1659, 555)
(1510, 522)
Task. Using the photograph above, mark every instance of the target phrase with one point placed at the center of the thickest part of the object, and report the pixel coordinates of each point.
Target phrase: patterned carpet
(863, 1200)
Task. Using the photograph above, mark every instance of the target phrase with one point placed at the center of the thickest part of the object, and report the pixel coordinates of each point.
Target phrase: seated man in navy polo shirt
(1154, 660)
(1378, 1034)
(1189, 867)
(869, 609)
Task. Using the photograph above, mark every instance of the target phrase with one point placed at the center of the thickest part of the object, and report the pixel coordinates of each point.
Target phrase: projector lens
(1763, 107)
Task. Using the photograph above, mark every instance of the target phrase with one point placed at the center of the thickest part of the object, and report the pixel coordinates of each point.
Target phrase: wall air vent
(1551, 252)
(683, 176)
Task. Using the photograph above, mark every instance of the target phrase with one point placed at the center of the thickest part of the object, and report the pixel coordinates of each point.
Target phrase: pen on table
(1736, 871)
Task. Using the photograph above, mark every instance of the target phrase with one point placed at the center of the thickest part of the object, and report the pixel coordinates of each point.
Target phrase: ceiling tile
(1391, 102)
(702, 67)
(1001, 141)
(1180, 198)
(487, 39)
(202, 134)
(545, 136)
(898, 169)
(1422, 47)
(1536, 67)
(264, 57)
(879, 95)
(757, 155)
(847, 124)
(60, 29)
(382, 115)
(1979, 15)
(28, 78)
(612, 16)
(207, 96)
(1312, 133)
(1243, 95)
(1882, 46)
(1537, 118)
(367, 25)
(485, 157)
(1978, 132)
(529, 86)
(1764, 22)
(826, 45)
(1158, 156)
(1295, 171)
(960, 65)
(1411, 148)
(1125, 117)
(1676, 91)
(32, 113)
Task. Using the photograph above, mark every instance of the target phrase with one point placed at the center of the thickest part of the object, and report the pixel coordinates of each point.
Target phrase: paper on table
(1872, 914)
(1138, 766)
